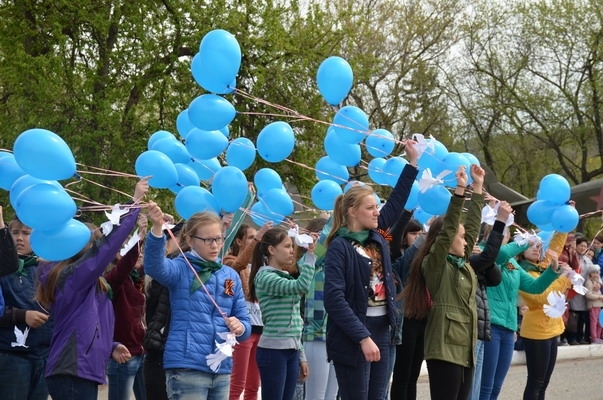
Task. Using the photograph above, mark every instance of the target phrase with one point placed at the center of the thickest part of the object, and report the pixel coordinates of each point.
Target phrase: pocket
(458, 329)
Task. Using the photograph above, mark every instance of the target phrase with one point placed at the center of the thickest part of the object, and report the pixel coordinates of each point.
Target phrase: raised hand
(504, 210)
(477, 174)
(142, 187)
(411, 152)
(2, 226)
(156, 216)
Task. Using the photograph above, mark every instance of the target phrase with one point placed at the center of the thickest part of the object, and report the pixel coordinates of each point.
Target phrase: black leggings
(541, 356)
(409, 357)
(448, 381)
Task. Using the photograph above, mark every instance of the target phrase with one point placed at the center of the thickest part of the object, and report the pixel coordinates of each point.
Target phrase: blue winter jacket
(194, 322)
(347, 275)
(82, 340)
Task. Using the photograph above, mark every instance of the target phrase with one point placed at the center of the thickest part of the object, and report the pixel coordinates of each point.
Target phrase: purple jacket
(82, 339)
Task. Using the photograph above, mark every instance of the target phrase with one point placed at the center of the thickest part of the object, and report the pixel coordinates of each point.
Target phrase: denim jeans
(477, 372)
(123, 378)
(22, 378)
(498, 354)
(68, 387)
(190, 384)
(367, 380)
(321, 383)
(279, 369)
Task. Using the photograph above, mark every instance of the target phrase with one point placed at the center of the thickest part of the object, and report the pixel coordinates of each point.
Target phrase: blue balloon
(472, 159)
(205, 169)
(220, 55)
(341, 152)
(9, 171)
(327, 169)
(380, 143)
(44, 206)
(240, 153)
(393, 168)
(540, 212)
(260, 215)
(4, 154)
(186, 177)
(334, 79)
(413, 197)
(351, 124)
(554, 188)
(44, 155)
(183, 124)
(204, 145)
(229, 187)
(324, 194)
(565, 219)
(159, 166)
(452, 161)
(172, 148)
(421, 216)
(157, 136)
(432, 158)
(207, 79)
(211, 112)
(24, 182)
(61, 243)
(275, 142)
(376, 171)
(435, 200)
(194, 199)
(278, 202)
(266, 179)
(225, 131)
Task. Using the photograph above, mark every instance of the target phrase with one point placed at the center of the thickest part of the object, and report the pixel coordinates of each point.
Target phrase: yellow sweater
(536, 324)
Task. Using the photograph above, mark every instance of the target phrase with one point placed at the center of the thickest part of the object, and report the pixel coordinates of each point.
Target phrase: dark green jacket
(451, 331)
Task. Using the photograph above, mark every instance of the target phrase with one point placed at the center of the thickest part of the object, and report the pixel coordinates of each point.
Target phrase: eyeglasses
(208, 241)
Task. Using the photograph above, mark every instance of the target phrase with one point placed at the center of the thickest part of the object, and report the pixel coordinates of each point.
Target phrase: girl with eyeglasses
(197, 323)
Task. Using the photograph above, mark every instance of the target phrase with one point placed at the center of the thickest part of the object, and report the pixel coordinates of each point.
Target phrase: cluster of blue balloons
(274, 203)
(31, 173)
(551, 211)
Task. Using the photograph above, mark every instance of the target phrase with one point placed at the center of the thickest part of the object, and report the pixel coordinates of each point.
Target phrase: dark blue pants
(279, 369)
(409, 357)
(67, 387)
(367, 380)
(541, 356)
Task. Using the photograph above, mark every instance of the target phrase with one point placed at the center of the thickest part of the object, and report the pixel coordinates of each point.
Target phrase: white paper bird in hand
(423, 144)
(427, 180)
(134, 239)
(20, 338)
(556, 306)
(301, 239)
(114, 218)
(224, 350)
(577, 283)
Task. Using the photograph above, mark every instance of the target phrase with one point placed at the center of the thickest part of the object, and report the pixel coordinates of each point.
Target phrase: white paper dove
(423, 144)
(20, 338)
(578, 283)
(302, 240)
(489, 215)
(113, 219)
(130, 243)
(523, 238)
(427, 180)
(223, 352)
(556, 306)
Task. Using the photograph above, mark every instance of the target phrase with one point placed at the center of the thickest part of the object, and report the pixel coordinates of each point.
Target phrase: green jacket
(451, 331)
(503, 298)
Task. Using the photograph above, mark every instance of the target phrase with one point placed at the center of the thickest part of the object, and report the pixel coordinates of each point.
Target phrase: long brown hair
(45, 293)
(414, 293)
(313, 226)
(350, 199)
(241, 233)
(272, 237)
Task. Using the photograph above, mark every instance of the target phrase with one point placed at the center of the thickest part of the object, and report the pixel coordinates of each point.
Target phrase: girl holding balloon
(79, 299)
(359, 287)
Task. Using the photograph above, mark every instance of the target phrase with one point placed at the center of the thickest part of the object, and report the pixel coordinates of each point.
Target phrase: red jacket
(128, 303)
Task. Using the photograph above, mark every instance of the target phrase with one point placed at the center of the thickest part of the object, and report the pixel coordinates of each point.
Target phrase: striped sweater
(279, 295)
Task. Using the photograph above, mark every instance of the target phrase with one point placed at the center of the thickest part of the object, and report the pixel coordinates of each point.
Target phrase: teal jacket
(451, 331)
(503, 298)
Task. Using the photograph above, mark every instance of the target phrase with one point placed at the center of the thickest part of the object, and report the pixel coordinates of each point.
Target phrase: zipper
(93, 339)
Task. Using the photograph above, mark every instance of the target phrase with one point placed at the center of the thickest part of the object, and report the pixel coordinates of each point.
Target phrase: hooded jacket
(82, 339)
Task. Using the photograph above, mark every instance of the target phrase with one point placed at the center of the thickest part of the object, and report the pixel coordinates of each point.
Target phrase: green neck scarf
(205, 269)
(360, 237)
(528, 266)
(24, 262)
(457, 261)
(135, 275)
